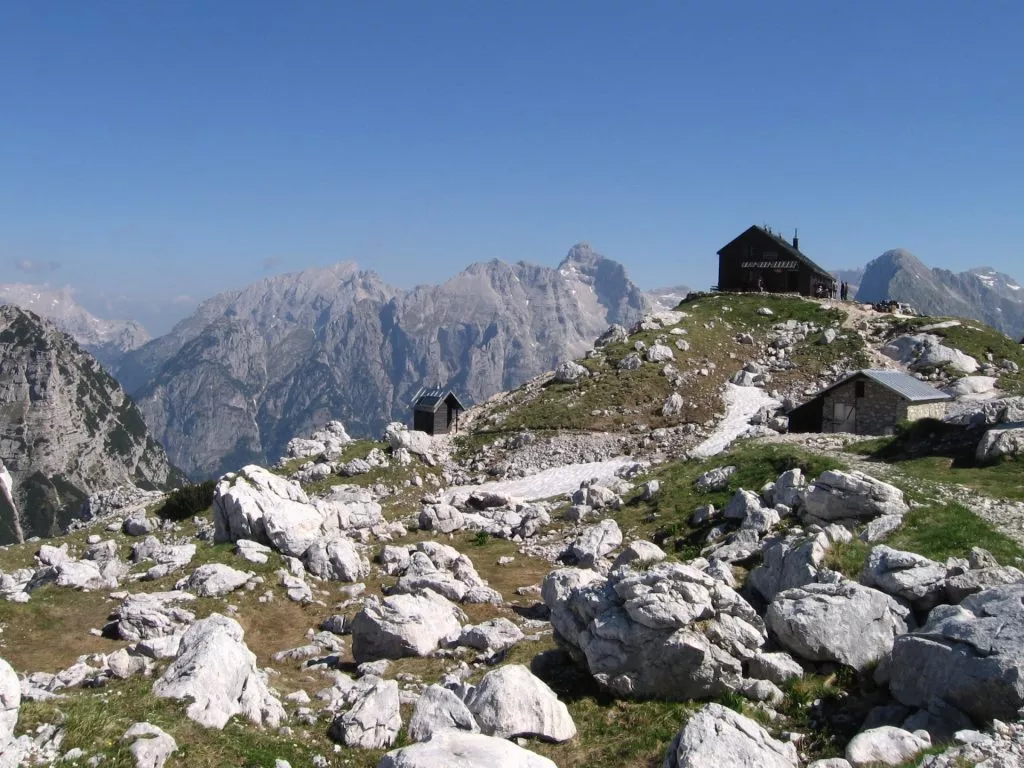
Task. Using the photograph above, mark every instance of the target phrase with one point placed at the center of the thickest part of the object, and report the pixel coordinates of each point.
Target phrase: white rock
(438, 709)
(510, 701)
(404, 625)
(213, 580)
(151, 746)
(217, 672)
(595, 542)
(494, 634)
(373, 721)
(639, 551)
(887, 745)
(717, 737)
(337, 559)
(457, 749)
(10, 700)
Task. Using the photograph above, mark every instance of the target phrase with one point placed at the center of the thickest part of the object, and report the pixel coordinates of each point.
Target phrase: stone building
(869, 402)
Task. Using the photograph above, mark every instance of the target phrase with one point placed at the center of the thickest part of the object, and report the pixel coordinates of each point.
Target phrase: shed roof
(431, 399)
(786, 246)
(903, 384)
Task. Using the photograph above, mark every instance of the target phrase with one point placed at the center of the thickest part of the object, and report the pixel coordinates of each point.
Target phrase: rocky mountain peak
(108, 340)
(67, 429)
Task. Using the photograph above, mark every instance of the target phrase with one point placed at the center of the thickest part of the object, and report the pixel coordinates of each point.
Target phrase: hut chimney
(796, 240)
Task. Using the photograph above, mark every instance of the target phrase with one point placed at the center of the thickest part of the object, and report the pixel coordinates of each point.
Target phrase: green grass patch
(848, 557)
(950, 530)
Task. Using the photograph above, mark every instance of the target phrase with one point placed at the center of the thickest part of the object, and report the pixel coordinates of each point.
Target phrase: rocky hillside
(107, 340)
(250, 369)
(981, 294)
(644, 585)
(66, 429)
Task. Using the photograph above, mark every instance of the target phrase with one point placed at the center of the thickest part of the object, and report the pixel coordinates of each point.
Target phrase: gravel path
(741, 403)
(551, 482)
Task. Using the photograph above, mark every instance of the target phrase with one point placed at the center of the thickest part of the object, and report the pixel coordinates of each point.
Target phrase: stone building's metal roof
(903, 384)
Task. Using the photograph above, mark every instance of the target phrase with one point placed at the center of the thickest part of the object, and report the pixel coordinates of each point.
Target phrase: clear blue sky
(166, 148)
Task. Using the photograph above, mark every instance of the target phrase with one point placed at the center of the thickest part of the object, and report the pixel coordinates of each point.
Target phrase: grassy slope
(626, 398)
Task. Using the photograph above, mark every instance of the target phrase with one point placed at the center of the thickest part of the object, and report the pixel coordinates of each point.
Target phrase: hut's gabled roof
(785, 246)
(903, 384)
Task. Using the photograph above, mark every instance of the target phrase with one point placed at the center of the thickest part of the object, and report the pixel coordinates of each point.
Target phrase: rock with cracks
(151, 746)
(670, 632)
(217, 672)
(374, 720)
(970, 656)
(511, 701)
(845, 622)
(438, 709)
(852, 496)
(456, 749)
(404, 625)
(886, 745)
(10, 700)
(717, 737)
(213, 580)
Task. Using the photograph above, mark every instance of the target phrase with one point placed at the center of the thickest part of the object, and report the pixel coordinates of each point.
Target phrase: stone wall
(917, 411)
(877, 413)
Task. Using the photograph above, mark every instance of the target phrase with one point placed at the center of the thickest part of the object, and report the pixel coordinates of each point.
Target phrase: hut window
(858, 389)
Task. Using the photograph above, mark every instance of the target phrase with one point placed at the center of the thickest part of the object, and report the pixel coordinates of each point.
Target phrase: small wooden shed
(436, 411)
(869, 402)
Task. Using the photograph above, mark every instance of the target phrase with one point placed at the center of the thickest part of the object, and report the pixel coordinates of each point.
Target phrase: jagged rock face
(107, 340)
(982, 294)
(251, 369)
(67, 429)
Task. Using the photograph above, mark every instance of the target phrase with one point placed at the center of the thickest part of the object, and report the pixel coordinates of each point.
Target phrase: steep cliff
(67, 428)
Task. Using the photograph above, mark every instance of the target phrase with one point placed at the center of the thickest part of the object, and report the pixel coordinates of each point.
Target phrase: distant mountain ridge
(67, 429)
(107, 340)
(252, 368)
(981, 293)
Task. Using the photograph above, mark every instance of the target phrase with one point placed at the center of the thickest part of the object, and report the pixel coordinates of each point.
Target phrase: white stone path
(550, 482)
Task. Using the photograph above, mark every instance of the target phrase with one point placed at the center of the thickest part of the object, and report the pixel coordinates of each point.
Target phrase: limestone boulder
(842, 622)
(10, 700)
(373, 721)
(852, 495)
(789, 561)
(886, 745)
(669, 632)
(399, 437)
(640, 551)
(213, 580)
(511, 701)
(149, 615)
(216, 672)
(438, 709)
(457, 749)
(717, 737)
(594, 543)
(241, 501)
(906, 575)
(716, 479)
(570, 372)
(1006, 441)
(336, 559)
(493, 635)
(969, 655)
(404, 625)
(150, 746)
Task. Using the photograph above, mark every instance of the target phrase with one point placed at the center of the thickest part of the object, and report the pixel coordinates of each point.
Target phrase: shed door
(845, 418)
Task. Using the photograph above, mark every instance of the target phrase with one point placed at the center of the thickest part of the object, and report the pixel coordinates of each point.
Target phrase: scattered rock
(438, 709)
(213, 580)
(404, 625)
(844, 622)
(457, 749)
(885, 746)
(374, 720)
(853, 495)
(217, 672)
(639, 552)
(151, 746)
(511, 701)
(494, 635)
(717, 737)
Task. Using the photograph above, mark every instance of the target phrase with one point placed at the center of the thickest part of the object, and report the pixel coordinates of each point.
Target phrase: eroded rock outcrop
(671, 632)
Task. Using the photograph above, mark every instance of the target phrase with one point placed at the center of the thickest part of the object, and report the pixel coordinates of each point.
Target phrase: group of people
(823, 291)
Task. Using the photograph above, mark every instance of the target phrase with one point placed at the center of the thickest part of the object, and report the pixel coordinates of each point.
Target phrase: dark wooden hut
(436, 411)
(762, 260)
